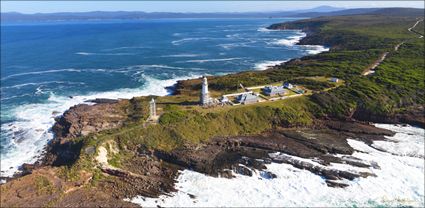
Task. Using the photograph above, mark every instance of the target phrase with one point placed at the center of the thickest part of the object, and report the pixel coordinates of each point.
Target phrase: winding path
(371, 69)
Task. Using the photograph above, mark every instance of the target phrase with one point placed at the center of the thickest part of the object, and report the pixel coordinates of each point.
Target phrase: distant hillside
(101, 15)
(410, 12)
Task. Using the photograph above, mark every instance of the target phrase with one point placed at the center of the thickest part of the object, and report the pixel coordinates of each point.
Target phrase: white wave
(183, 55)
(184, 40)
(181, 41)
(31, 131)
(15, 96)
(263, 29)
(399, 182)
(211, 60)
(404, 143)
(118, 48)
(231, 30)
(314, 49)
(42, 83)
(232, 36)
(41, 72)
(291, 40)
(150, 66)
(104, 54)
(84, 53)
(266, 64)
(228, 46)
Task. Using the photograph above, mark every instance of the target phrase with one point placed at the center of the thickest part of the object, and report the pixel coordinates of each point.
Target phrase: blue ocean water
(48, 67)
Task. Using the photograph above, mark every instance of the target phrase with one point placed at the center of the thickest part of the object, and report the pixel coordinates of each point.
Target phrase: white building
(288, 85)
(334, 79)
(152, 109)
(205, 96)
(247, 98)
(273, 90)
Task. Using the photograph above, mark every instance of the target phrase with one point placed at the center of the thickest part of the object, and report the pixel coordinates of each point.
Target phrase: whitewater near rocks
(29, 135)
(33, 94)
(399, 180)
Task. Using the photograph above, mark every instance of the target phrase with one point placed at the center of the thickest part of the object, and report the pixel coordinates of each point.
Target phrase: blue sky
(189, 6)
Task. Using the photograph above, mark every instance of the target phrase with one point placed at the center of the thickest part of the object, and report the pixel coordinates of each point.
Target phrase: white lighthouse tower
(205, 97)
(152, 109)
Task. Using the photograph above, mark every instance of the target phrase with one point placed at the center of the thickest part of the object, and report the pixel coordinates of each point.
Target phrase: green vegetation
(172, 115)
(312, 84)
(199, 125)
(356, 43)
(43, 185)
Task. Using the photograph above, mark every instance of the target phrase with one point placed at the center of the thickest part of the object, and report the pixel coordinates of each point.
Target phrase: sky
(188, 6)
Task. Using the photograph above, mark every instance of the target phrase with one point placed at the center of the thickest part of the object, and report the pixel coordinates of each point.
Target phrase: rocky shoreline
(152, 172)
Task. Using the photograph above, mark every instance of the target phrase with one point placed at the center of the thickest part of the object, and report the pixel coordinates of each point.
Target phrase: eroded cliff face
(152, 172)
(225, 156)
(414, 116)
(83, 119)
(79, 121)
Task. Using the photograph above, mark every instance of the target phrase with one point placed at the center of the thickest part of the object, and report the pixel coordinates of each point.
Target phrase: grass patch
(43, 185)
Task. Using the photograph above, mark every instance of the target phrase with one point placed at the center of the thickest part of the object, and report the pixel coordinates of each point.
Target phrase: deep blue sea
(48, 67)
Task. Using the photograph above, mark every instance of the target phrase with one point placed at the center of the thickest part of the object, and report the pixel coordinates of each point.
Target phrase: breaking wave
(118, 48)
(314, 49)
(263, 29)
(42, 83)
(398, 182)
(41, 72)
(53, 71)
(104, 54)
(291, 40)
(25, 138)
(266, 64)
(183, 55)
(211, 60)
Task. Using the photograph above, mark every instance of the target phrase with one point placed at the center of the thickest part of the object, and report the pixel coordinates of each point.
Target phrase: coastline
(169, 89)
(329, 147)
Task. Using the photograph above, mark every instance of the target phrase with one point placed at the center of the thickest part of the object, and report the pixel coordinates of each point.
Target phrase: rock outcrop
(245, 154)
(83, 119)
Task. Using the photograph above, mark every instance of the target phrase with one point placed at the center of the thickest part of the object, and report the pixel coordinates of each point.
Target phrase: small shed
(334, 79)
(288, 85)
(224, 99)
(274, 90)
(247, 98)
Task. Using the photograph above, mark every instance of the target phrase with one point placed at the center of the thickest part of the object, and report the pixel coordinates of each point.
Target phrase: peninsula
(304, 108)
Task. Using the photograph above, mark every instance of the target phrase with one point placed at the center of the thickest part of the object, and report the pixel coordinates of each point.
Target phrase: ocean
(47, 67)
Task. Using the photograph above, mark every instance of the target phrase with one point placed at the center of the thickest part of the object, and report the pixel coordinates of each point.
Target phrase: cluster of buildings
(277, 90)
(247, 97)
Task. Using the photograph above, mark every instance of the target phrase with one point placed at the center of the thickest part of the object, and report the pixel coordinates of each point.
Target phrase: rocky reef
(152, 172)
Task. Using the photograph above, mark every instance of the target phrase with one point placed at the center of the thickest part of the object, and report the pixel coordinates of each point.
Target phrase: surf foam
(25, 138)
(266, 64)
(211, 60)
(399, 182)
(104, 54)
(291, 40)
(314, 49)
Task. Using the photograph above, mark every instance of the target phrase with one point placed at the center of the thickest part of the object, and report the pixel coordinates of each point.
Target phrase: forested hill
(394, 92)
(127, 15)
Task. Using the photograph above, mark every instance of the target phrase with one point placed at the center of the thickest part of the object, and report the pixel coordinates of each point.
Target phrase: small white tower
(152, 109)
(205, 97)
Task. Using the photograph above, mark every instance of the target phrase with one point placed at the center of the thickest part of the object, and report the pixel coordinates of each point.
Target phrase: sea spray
(24, 139)
(398, 182)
